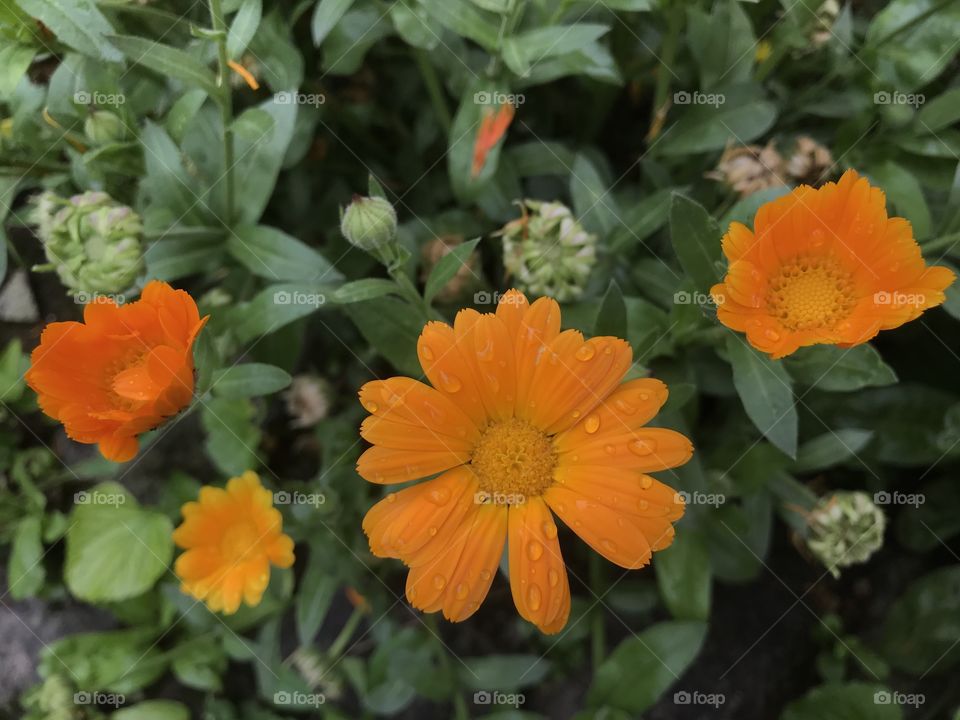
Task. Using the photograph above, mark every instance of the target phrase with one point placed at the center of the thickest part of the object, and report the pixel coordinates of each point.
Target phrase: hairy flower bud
(369, 223)
(92, 241)
(103, 127)
(548, 251)
(846, 528)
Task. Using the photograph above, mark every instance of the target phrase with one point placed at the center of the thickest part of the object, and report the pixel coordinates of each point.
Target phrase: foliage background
(240, 191)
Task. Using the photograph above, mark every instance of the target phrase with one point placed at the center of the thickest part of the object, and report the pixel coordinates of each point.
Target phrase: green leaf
(153, 710)
(835, 369)
(366, 289)
(641, 220)
(684, 577)
(766, 392)
(830, 449)
(25, 571)
(272, 254)
(738, 537)
(274, 307)
(593, 205)
(263, 137)
(504, 673)
(115, 549)
(326, 14)
(850, 701)
(314, 596)
(351, 38)
(121, 661)
(14, 61)
(447, 267)
(233, 434)
(522, 51)
(919, 636)
(934, 520)
(696, 240)
(940, 113)
(167, 61)
(390, 326)
(612, 314)
(723, 44)
(904, 191)
(711, 124)
(244, 27)
(464, 19)
(77, 23)
(249, 380)
(643, 667)
(173, 259)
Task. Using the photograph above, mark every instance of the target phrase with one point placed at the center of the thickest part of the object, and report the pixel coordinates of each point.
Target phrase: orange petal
(510, 309)
(404, 436)
(539, 327)
(119, 448)
(644, 449)
(388, 466)
(487, 349)
(538, 577)
(623, 490)
(471, 581)
(445, 367)
(409, 401)
(631, 406)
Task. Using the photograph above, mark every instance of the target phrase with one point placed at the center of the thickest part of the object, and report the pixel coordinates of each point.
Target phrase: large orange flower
(120, 372)
(231, 537)
(522, 419)
(824, 266)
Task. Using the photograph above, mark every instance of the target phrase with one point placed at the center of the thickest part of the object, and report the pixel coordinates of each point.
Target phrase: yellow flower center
(238, 541)
(513, 461)
(811, 293)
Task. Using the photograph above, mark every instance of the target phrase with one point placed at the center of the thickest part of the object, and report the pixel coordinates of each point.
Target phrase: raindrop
(534, 550)
(642, 448)
(585, 352)
(592, 424)
(534, 597)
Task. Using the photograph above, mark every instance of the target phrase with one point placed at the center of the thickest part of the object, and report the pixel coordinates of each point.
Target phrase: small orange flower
(120, 372)
(231, 536)
(522, 419)
(493, 126)
(824, 266)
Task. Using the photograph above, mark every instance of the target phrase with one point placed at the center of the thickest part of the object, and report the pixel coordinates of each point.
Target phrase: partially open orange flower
(120, 372)
(522, 419)
(824, 266)
(231, 536)
(493, 126)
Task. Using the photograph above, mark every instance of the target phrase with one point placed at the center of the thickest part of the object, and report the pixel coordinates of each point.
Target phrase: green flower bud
(103, 127)
(91, 241)
(846, 528)
(548, 251)
(369, 223)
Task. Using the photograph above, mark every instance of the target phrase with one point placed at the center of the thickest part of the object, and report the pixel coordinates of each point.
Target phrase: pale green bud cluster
(846, 528)
(547, 251)
(92, 241)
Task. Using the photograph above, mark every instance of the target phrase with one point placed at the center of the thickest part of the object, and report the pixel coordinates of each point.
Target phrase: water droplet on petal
(646, 481)
(625, 407)
(392, 497)
(484, 575)
(534, 550)
(553, 577)
(439, 581)
(609, 545)
(591, 424)
(426, 352)
(643, 504)
(462, 591)
(432, 531)
(609, 449)
(641, 447)
(772, 335)
(450, 383)
(534, 598)
(549, 530)
(439, 496)
(585, 352)
(371, 407)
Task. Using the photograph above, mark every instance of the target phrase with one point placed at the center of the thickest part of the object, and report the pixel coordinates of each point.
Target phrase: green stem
(460, 711)
(434, 90)
(225, 102)
(598, 641)
(667, 53)
(340, 643)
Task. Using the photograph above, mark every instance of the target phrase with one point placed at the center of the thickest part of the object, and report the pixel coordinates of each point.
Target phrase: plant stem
(225, 102)
(434, 90)
(668, 50)
(460, 711)
(598, 639)
(340, 643)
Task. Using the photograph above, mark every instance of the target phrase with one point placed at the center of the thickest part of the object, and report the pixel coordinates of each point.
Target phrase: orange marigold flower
(120, 372)
(824, 266)
(231, 536)
(493, 126)
(522, 419)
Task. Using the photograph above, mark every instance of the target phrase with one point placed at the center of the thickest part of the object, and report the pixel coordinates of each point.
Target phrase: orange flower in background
(493, 126)
(824, 266)
(522, 420)
(231, 536)
(120, 372)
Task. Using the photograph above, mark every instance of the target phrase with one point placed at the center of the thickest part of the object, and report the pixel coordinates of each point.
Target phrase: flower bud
(369, 223)
(845, 529)
(92, 241)
(103, 127)
(548, 251)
